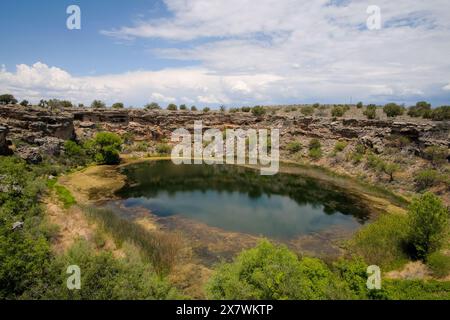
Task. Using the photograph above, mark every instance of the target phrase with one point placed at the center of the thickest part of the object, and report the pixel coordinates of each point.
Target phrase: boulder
(4, 149)
(31, 155)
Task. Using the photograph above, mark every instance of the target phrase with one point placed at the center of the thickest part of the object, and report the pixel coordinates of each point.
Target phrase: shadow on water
(239, 199)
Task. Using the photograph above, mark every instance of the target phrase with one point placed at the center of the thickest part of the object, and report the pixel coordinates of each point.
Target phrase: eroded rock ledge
(46, 128)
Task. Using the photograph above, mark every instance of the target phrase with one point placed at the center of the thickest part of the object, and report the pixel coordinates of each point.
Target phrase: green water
(240, 199)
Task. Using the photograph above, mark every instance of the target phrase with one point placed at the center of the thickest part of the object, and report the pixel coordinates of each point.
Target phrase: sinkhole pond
(239, 199)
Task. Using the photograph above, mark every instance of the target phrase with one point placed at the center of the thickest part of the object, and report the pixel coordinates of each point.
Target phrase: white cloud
(322, 48)
(189, 85)
(271, 51)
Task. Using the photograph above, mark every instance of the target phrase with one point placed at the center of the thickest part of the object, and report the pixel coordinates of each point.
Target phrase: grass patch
(439, 264)
(383, 242)
(64, 196)
(415, 290)
(160, 249)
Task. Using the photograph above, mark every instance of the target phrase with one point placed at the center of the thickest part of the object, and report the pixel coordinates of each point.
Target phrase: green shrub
(7, 99)
(269, 272)
(359, 105)
(118, 105)
(392, 110)
(294, 147)
(441, 113)
(258, 111)
(24, 103)
(163, 148)
(206, 109)
(315, 153)
(307, 111)
(193, 108)
(439, 264)
(314, 144)
(183, 107)
(152, 106)
(246, 109)
(371, 111)
(421, 109)
(106, 147)
(72, 149)
(426, 179)
(103, 277)
(436, 154)
(428, 224)
(337, 111)
(340, 146)
(172, 107)
(383, 241)
(415, 290)
(97, 104)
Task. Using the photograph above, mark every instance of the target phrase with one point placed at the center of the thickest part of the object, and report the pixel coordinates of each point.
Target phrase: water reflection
(239, 199)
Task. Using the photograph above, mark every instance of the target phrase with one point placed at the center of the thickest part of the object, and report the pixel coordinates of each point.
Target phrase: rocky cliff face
(4, 150)
(31, 123)
(47, 129)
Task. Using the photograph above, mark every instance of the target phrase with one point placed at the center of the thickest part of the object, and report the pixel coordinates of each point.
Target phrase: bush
(269, 272)
(441, 113)
(163, 148)
(371, 111)
(152, 106)
(426, 179)
(272, 272)
(103, 277)
(337, 111)
(437, 155)
(106, 147)
(193, 108)
(24, 103)
(307, 111)
(222, 109)
(206, 109)
(428, 222)
(246, 109)
(183, 107)
(118, 105)
(383, 241)
(258, 111)
(56, 103)
(7, 99)
(359, 105)
(315, 153)
(439, 264)
(421, 109)
(97, 104)
(392, 110)
(172, 107)
(340, 146)
(314, 144)
(294, 147)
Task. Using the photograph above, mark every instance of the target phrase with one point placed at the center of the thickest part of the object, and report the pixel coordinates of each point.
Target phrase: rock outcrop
(46, 129)
(4, 149)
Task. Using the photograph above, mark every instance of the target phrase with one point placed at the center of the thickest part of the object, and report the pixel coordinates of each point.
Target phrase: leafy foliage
(258, 111)
(7, 99)
(371, 111)
(428, 224)
(97, 104)
(392, 110)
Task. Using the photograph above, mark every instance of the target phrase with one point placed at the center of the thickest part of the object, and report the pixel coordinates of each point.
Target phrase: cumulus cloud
(272, 51)
(189, 85)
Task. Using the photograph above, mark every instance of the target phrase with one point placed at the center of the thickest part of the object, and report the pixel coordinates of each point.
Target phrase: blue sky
(235, 52)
